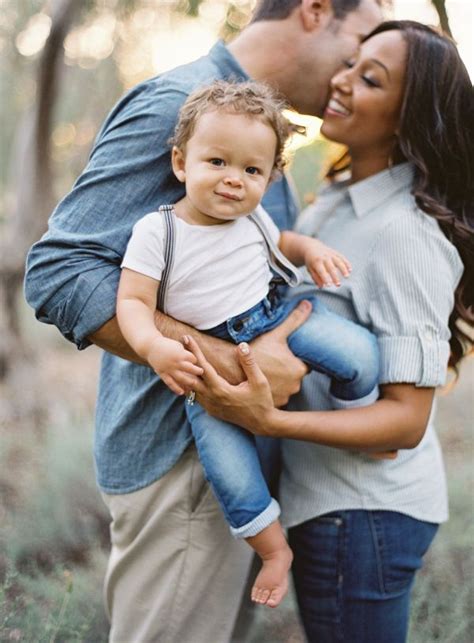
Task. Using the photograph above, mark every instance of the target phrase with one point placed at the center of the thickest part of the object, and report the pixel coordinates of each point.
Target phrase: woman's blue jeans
(353, 573)
(327, 342)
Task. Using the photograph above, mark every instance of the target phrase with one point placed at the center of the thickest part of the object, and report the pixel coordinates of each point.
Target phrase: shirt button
(430, 335)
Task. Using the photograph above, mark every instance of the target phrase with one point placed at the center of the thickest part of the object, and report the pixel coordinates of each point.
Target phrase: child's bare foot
(271, 584)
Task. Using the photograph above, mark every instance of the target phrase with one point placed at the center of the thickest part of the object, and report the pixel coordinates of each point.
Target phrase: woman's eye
(217, 162)
(371, 83)
(252, 170)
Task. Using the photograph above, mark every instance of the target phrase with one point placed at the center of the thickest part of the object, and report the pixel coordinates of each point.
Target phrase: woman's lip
(330, 112)
(336, 109)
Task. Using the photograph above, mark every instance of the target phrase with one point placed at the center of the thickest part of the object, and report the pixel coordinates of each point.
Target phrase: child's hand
(325, 264)
(174, 364)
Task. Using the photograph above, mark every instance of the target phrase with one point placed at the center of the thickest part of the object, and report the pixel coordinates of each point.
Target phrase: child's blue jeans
(326, 342)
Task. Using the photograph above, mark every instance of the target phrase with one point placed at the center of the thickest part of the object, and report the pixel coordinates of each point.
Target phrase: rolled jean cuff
(367, 400)
(255, 526)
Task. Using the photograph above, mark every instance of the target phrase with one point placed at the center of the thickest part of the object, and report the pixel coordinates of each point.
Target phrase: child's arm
(323, 263)
(136, 304)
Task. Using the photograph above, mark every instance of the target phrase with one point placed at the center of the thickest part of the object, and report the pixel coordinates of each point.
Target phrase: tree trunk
(440, 6)
(31, 183)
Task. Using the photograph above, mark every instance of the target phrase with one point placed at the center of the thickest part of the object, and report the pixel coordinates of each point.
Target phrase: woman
(359, 526)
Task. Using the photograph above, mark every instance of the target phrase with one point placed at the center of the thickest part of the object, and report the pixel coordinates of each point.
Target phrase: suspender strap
(170, 243)
(285, 270)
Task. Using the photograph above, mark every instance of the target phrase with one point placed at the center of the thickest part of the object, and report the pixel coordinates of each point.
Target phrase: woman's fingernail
(304, 305)
(185, 339)
(244, 348)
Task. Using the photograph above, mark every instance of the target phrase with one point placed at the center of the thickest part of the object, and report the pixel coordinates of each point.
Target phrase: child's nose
(233, 180)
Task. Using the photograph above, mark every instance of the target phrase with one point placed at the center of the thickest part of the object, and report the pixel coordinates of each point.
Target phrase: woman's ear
(178, 163)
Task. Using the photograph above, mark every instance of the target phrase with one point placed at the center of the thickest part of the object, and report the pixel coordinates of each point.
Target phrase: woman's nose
(341, 81)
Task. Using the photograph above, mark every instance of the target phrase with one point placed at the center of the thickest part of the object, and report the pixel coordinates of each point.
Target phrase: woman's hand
(249, 404)
(283, 370)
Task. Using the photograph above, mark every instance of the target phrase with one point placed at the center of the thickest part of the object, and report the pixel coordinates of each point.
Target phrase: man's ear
(178, 163)
(315, 13)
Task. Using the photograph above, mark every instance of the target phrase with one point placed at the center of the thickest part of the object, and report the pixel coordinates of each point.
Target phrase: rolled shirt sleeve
(407, 293)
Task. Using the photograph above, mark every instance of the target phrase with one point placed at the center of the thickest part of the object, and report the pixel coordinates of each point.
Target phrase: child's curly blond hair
(249, 98)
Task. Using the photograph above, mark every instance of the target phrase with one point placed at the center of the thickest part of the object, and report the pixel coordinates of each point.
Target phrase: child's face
(226, 166)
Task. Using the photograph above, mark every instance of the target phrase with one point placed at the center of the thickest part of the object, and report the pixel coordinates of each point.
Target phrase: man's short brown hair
(281, 9)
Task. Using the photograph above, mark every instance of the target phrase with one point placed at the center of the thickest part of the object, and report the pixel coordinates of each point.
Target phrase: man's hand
(283, 370)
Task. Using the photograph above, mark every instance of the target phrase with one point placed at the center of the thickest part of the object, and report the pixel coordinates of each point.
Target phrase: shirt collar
(373, 191)
(226, 62)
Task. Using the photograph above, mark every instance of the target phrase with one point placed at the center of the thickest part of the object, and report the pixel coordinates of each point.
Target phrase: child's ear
(178, 163)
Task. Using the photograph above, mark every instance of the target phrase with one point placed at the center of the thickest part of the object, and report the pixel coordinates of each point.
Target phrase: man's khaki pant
(175, 573)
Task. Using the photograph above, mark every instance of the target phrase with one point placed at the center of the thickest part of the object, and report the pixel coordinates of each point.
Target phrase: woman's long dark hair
(436, 134)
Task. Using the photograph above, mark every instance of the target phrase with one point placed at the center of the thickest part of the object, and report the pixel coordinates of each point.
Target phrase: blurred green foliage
(111, 46)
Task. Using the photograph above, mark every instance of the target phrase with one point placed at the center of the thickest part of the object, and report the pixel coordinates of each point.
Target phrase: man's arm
(73, 271)
(282, 368)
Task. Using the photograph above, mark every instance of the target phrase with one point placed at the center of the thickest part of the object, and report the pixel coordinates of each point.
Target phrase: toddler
(211, 258)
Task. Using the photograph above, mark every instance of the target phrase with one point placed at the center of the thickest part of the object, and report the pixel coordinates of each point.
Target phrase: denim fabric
(231, 464)
(326, 342)
(73, 271)
(353, 572)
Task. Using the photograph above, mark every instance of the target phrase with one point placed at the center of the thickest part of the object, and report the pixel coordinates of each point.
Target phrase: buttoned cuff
(420, 359)
(90, 303)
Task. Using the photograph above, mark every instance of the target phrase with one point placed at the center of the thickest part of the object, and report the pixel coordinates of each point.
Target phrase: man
(175, 575)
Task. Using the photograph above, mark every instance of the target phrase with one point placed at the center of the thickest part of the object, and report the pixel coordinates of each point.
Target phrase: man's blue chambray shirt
(73, 271)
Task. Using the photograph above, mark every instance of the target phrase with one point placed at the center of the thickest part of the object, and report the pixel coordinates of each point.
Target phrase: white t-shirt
(219, 271)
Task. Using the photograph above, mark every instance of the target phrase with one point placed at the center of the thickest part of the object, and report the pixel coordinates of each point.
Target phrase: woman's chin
(331, 133)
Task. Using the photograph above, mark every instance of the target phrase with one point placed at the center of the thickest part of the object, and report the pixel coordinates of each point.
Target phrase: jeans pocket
(401, 542)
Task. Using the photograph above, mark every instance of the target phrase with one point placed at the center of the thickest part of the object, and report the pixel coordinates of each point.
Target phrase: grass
(55, 538)
(60, 605)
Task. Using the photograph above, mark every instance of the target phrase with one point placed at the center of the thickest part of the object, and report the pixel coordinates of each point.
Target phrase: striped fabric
(401, 288)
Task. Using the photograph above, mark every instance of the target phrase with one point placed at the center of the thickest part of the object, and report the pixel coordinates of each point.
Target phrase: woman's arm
(397, 421)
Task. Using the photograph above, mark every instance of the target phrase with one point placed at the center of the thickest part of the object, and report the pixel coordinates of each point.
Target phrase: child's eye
(252, 170)
(348, 63)
(217, 162)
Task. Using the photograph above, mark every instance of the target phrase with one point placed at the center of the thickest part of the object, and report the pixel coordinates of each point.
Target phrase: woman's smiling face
(366, 97)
